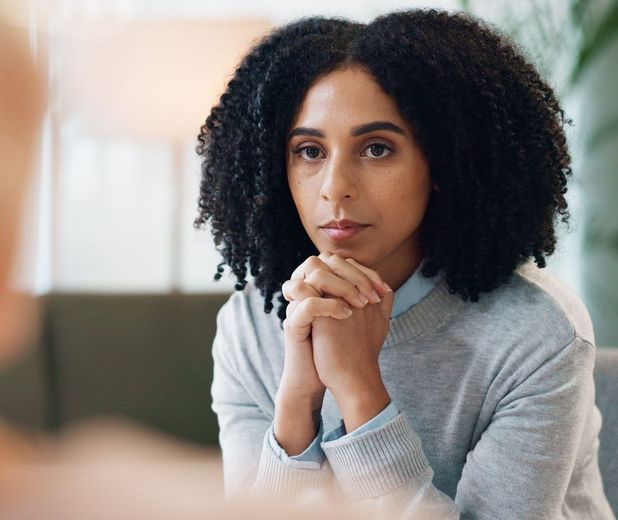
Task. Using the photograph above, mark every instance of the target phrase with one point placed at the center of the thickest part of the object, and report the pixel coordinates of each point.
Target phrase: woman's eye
(313, 152)
(377, 150)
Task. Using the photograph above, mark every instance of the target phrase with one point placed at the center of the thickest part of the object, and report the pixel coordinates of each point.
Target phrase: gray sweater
(497, 418)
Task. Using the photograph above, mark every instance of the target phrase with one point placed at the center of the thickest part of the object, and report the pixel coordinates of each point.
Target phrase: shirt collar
(413, 290)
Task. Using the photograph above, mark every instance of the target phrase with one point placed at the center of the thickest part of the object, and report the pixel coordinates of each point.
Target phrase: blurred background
(124, 283)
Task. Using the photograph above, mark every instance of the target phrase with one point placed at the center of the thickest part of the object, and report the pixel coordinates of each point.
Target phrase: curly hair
(491, 129)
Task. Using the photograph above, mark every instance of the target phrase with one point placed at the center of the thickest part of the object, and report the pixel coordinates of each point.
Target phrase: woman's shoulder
(243, 316)
(532, 320)
(534, 310)
(247, 303)
(554, 298)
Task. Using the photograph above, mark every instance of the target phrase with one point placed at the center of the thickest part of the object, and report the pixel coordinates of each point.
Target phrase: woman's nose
(339, 180)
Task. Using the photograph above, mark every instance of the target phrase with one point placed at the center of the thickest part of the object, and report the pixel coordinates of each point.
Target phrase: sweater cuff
(312, 457)
(382, 418)
(276, 479)
(377, 461)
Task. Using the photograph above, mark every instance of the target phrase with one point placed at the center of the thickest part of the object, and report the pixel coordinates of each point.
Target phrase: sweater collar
(432, 308)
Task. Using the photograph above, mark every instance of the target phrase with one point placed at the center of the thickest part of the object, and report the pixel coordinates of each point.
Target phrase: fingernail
(363, 299)
(376, 296)
(347, 311)
(387, 287)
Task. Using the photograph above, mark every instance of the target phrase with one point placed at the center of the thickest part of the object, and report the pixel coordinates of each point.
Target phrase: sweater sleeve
(250, 466)
(520, 468)
(313, 456)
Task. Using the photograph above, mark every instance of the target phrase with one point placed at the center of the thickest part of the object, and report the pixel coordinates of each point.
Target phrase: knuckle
(291, 288)
(313, 261)
(285, 288)
(291, 319)
(301, 306)
(315, 276)
(333, 260)
(297, 288)
(309, 263)
(312, 304)
(306, 289)
(297, 273)
(289, 324)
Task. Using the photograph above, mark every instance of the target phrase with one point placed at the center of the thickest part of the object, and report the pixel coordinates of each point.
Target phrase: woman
(381, 177)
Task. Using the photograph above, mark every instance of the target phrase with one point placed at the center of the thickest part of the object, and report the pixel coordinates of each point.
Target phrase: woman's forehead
(348, 99)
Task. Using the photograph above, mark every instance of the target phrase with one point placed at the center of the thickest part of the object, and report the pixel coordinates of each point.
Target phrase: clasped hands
(327, 347)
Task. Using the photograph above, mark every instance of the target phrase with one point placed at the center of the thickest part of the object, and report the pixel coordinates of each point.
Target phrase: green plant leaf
(605, 32)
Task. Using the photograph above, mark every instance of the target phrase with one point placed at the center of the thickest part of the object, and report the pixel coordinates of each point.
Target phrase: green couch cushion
(144, 356)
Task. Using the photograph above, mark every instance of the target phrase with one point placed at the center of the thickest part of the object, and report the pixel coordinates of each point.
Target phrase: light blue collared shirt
(409, 294)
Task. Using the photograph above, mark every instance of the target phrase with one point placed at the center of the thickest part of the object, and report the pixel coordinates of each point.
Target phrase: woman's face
(352, 156)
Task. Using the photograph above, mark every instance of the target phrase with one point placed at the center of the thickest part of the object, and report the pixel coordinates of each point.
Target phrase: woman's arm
(297, 420)
(241, 421)
(522, 467)
(249, 463)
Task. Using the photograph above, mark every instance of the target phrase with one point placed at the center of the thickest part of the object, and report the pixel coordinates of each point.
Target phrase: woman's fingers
(320, 282)
(309, 264)
(299, 319)
(305, 311)
(331, 274)
(291, 307)
(366, 279)
(373, 275)
(298, 290)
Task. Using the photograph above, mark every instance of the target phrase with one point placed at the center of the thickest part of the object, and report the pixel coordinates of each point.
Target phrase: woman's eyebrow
(376, 125)
(354, 132)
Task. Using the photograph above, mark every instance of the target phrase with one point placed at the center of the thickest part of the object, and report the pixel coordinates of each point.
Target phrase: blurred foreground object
(110, 469)
(22, 102)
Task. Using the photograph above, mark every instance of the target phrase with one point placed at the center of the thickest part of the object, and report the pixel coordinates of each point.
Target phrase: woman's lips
(342, 233)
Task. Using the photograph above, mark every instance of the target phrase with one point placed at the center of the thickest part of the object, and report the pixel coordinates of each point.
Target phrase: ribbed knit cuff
(275, 479)
(377, 461)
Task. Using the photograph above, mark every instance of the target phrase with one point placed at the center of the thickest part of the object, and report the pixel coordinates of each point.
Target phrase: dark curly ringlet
(490, 127)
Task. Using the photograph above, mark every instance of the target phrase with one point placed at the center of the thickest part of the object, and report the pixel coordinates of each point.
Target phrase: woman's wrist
(296, 422)
(361, 402)
(290, 392)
